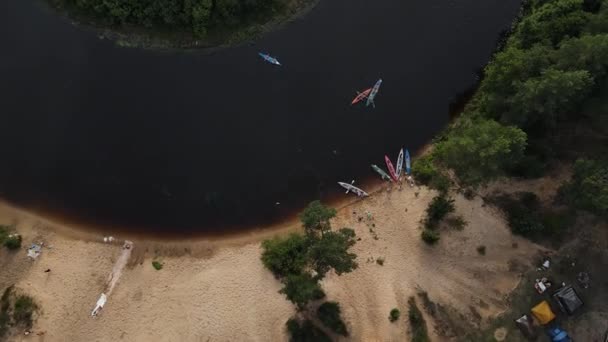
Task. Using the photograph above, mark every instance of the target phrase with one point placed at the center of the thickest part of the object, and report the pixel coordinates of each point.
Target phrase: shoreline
(155, 39)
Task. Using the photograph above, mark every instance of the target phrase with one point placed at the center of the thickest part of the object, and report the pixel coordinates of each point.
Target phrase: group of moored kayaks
(369, 95)
(394, 174)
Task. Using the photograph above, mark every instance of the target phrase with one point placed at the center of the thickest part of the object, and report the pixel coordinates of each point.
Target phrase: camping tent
(568, 299)
(542, 312)
(525, 325)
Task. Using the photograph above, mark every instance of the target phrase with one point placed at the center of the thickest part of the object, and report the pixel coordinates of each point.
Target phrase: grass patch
(157, 265)
(23, 311)
(329, 314)
(456, 222)
(417, 322)
(394, 315)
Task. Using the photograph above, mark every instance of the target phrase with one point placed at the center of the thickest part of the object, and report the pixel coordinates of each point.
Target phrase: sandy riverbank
(218, 290)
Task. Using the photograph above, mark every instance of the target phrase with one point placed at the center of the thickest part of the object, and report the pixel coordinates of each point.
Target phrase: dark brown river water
(181, 143)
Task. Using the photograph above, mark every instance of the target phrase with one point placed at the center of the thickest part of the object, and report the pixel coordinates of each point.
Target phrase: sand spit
(219, 290)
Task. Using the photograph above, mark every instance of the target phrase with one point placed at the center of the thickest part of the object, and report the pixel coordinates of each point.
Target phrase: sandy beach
(218, 290)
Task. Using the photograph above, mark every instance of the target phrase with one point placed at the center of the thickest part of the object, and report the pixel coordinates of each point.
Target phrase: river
(179, 143)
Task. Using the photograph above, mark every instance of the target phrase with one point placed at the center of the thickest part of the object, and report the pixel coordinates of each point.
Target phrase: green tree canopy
(551, 22)
(331, 251)
(315, 218)
(285, 256)
(588, 53)
(301, 289)
(543, 99)
(329, 314)
(480, 150)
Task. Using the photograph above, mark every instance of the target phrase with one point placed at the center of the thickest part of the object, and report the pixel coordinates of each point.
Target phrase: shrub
(305, 332)
(425, 172)
(329, 314)
(3, 233)
(456, 222)
(24, 310)
(285, 256)
(430, 236)
(437, 209)
(419, 330)
(481, 250)
(13, 242)
(588, 188)
(394, 315)
(380, 261)
(157, 265)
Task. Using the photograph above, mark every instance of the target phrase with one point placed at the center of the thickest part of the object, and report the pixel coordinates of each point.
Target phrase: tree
(585, 53)
(331, 251)
(305, 332)
(505, 71)
(481, 150)
(588, 188)
(285, 256)
(315, 218)
(329, 314)
(301, 289)
(543, 99)
(551, 22)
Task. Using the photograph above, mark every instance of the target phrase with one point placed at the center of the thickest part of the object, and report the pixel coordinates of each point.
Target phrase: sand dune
(223, 293)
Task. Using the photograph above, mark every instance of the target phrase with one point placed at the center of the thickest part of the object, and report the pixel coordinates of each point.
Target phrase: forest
(193, 16)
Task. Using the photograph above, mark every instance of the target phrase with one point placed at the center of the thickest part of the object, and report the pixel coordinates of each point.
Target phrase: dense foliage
(195, 16)
(588, 188)
(394, 315)
(554, 61)
(301, 261)
(329, 314)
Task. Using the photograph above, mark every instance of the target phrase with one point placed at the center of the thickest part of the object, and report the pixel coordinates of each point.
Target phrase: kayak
(353, 189)
(381, 172)
(372, 95)
(408, 163)
(400, 163)
(269, 58)
(361, 95)
(391, 168)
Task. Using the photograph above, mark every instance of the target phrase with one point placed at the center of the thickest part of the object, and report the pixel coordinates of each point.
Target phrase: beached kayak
(408, 163)
(400, 163)
(381, 172)
(353, 189)
(391, 168)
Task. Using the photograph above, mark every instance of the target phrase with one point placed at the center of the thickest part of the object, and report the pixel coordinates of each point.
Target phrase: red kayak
(391, 168)
(361, 96)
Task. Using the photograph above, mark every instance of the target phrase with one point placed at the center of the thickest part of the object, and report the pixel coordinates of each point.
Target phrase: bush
(3, 233)
(425, 172)
(13, 242)
(157, 265)
(419, 330)
(394, 315)
(456, 222)
(588, 188)
(430, 236)
(24, 310)
(380, 261)
(329, 314)
(305, 332)
(437, 209)
(481, 250)
(523, 214)
(285, 256)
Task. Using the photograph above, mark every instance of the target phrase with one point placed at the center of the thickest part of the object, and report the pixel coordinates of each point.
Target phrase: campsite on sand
(219, 290)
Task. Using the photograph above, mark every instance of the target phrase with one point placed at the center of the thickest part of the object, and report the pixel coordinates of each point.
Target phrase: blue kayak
(408, 163)
(269, 58)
